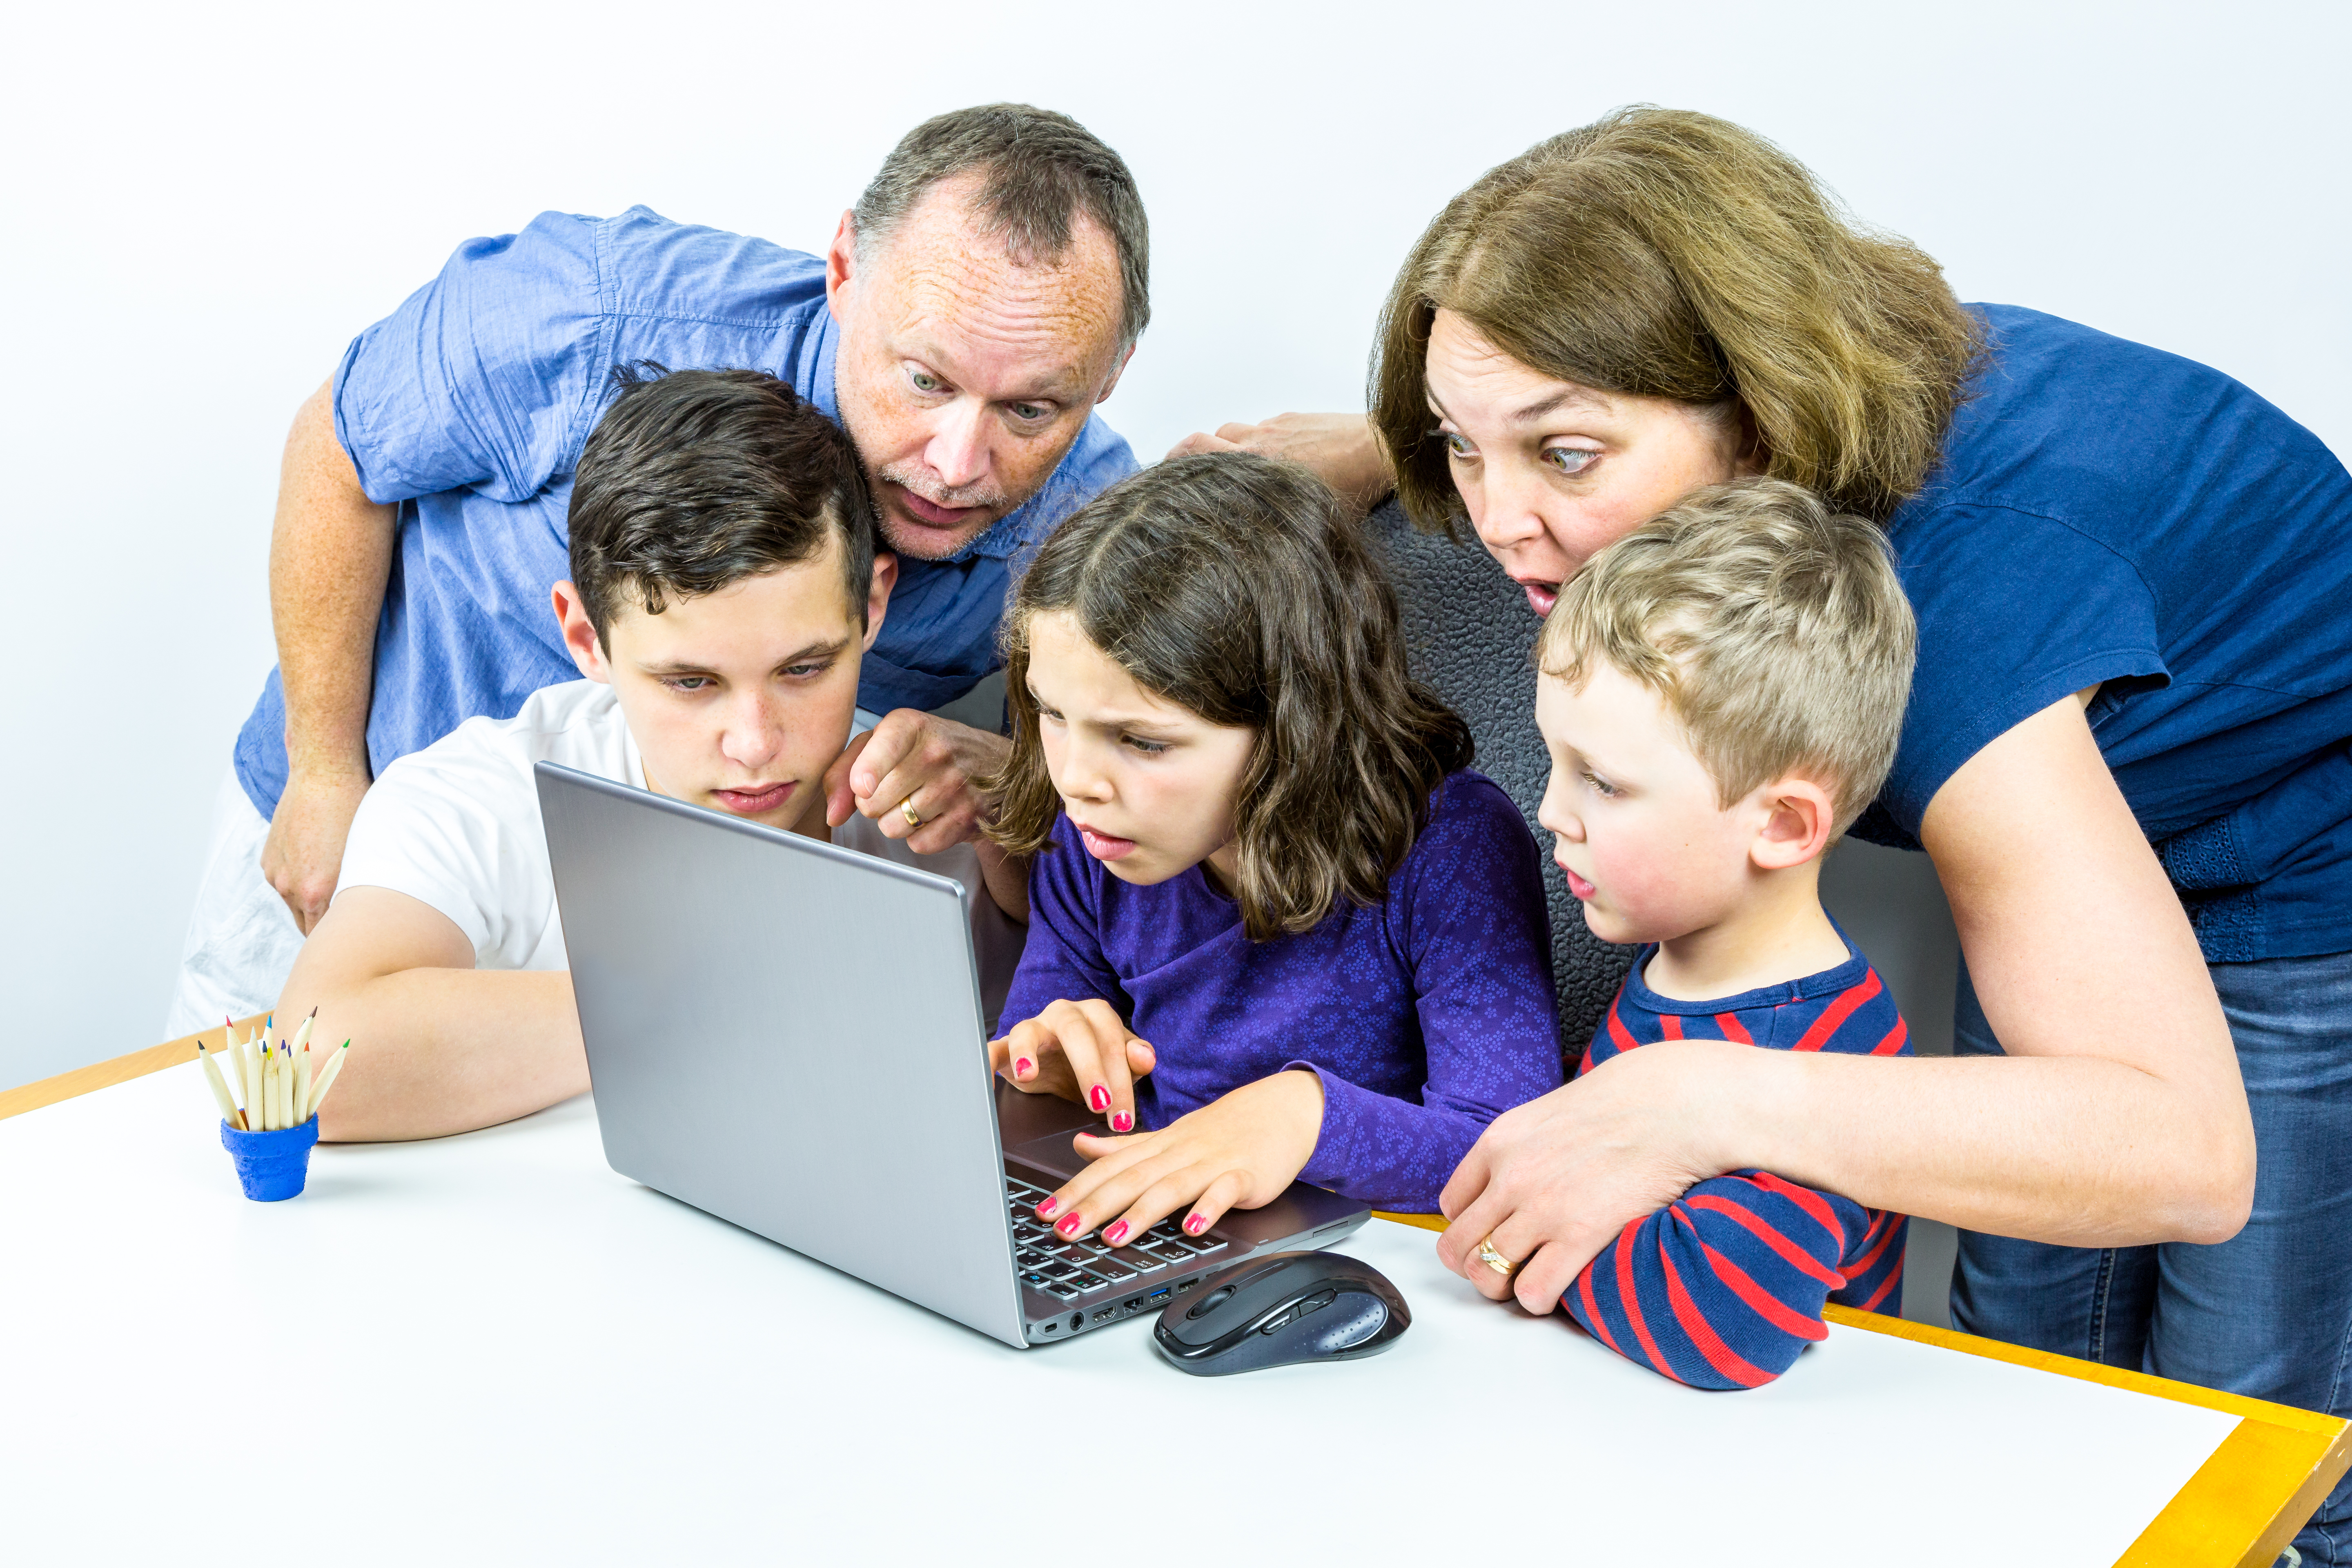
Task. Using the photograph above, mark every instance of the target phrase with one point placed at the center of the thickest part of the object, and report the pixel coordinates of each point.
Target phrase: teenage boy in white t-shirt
(724, 583)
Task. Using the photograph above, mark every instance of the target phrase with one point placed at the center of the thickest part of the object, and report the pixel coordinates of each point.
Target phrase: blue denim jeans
(2267, 1313)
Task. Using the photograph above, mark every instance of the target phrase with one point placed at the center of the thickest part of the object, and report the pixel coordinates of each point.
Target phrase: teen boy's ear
(1799, 815)
(580, 633)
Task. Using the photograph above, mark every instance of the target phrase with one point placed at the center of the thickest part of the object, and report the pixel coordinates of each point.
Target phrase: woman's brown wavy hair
(1674, 255)
(1240, 588)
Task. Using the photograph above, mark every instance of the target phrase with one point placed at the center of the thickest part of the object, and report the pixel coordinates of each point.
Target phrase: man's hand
(303, 858)
(915, 757)
(1337, 448)
(1554, 1181)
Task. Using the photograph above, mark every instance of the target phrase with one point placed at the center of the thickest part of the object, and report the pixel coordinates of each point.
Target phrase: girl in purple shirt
(1277, 929)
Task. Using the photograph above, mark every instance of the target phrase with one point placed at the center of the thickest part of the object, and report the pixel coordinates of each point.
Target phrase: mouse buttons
(1314, 1303)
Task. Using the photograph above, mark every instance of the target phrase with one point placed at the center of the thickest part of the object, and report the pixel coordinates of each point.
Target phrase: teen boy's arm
(448, 1047)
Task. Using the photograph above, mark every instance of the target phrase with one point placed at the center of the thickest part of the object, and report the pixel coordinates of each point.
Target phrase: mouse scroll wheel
(1209, 1302)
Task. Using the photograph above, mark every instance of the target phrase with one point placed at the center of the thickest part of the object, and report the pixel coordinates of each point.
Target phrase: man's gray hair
(1038, 171)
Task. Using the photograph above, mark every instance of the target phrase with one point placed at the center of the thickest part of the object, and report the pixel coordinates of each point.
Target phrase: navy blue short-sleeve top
(2106, 514)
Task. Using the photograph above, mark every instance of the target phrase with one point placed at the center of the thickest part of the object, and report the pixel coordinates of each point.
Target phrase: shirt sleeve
(1062, 957)
(457, 828)
(1468, 905)
(1724, 1287)
(2015, 611)
(487, 378)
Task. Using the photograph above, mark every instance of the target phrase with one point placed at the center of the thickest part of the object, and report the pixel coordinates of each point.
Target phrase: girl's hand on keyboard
(1079, 1050)
(1236, 1152)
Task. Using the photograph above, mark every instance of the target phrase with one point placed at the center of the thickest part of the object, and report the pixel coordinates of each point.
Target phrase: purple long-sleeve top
(1425, 1016)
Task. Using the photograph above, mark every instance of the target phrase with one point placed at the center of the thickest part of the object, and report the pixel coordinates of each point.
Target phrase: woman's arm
(438, 1046)
(2118, 1117)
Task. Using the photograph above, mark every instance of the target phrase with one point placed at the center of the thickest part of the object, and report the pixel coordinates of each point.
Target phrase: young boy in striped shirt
(1721, 694)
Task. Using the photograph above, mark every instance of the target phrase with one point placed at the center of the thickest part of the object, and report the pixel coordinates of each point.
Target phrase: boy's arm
(1723, 1288)
(437, 1046)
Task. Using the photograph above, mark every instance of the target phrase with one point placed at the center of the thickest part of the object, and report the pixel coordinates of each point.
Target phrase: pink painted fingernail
(1069, 1226)
(1045, 1209)
(1116, 1234)
(1122, 1122)
(1194, 1224)
(1098, 1099)
(1020, 1068)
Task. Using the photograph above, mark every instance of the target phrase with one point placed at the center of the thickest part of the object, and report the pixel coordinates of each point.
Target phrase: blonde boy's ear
(579, 634)
(1799, 823)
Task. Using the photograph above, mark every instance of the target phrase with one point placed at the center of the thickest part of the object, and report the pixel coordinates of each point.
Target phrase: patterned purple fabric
(1425, 1016)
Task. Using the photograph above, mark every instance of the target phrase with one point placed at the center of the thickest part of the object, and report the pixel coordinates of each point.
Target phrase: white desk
(516, 1355)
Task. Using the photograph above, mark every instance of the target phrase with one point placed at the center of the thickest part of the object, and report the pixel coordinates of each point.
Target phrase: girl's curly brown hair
(1241, 588)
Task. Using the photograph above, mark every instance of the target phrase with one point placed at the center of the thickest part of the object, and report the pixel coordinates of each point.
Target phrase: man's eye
(1031, 412)
(924, 381)
(1569, 460)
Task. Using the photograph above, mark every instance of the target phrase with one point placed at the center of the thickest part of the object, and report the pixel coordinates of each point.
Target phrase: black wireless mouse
(1285, 1308)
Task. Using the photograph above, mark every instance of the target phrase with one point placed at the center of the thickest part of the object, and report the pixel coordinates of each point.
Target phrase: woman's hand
(1554, 1181)
(1239, 1151)
(1340, 449)
(1079, 1050)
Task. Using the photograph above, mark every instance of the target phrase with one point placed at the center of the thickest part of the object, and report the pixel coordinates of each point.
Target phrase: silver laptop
(762, 1010)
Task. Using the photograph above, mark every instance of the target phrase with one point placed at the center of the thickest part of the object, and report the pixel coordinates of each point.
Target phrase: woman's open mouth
(1541, 596)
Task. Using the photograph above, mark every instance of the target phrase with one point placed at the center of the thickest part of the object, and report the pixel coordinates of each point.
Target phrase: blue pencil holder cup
(271, 1165)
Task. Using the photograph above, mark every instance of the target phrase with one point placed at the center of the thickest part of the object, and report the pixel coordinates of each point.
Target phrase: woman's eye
(1569, 460)
(1457, 444)
(924, 381)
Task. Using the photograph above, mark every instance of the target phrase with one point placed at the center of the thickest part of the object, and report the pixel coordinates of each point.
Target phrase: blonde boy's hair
(1774, 629)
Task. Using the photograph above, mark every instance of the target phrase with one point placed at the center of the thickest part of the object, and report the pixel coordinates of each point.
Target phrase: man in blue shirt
(983, 296)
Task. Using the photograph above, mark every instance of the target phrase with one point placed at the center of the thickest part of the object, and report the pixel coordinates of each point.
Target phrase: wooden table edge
(2244, 1503)
(2240, 1509)
(118, 1069)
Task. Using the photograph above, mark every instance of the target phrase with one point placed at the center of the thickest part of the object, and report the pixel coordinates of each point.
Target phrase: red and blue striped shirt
(1724, 1287)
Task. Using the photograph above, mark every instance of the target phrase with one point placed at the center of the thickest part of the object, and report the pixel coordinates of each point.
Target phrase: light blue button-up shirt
(468, 405)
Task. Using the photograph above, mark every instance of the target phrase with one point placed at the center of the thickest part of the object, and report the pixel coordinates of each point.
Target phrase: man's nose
(957, 451)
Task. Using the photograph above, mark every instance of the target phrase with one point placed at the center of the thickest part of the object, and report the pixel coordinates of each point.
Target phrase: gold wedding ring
(907, 810)
(1496, 1260)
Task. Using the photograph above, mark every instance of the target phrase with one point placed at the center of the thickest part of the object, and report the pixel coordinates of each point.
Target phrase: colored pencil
(327, 1078)
(229, 1113)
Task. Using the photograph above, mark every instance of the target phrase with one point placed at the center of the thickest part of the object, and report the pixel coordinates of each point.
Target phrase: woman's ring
(907, 810)
(1496, 1260)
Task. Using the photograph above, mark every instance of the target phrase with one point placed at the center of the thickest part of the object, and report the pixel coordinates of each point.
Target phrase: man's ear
(840, 262)
(877, 597)
(1116, 371)
(1798, 818)
(579, 634)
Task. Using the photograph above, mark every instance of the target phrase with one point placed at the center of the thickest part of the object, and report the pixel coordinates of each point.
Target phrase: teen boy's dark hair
(697, 478)
(1240, 588)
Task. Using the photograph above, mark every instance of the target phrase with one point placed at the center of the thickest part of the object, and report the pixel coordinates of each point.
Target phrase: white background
(206, 204)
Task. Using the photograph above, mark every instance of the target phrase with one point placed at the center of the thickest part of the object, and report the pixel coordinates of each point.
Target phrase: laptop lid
(726, 1077)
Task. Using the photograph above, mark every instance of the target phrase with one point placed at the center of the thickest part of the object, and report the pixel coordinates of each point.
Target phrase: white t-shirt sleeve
(457, 825)
(996, 937)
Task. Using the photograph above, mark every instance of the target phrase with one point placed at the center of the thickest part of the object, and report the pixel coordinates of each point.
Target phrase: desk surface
(507, 1350)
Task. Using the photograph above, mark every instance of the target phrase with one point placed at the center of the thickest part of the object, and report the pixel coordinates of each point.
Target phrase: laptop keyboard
(1071, 1270)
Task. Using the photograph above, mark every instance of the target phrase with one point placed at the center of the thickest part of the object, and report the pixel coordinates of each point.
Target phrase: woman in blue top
(2125, 748)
